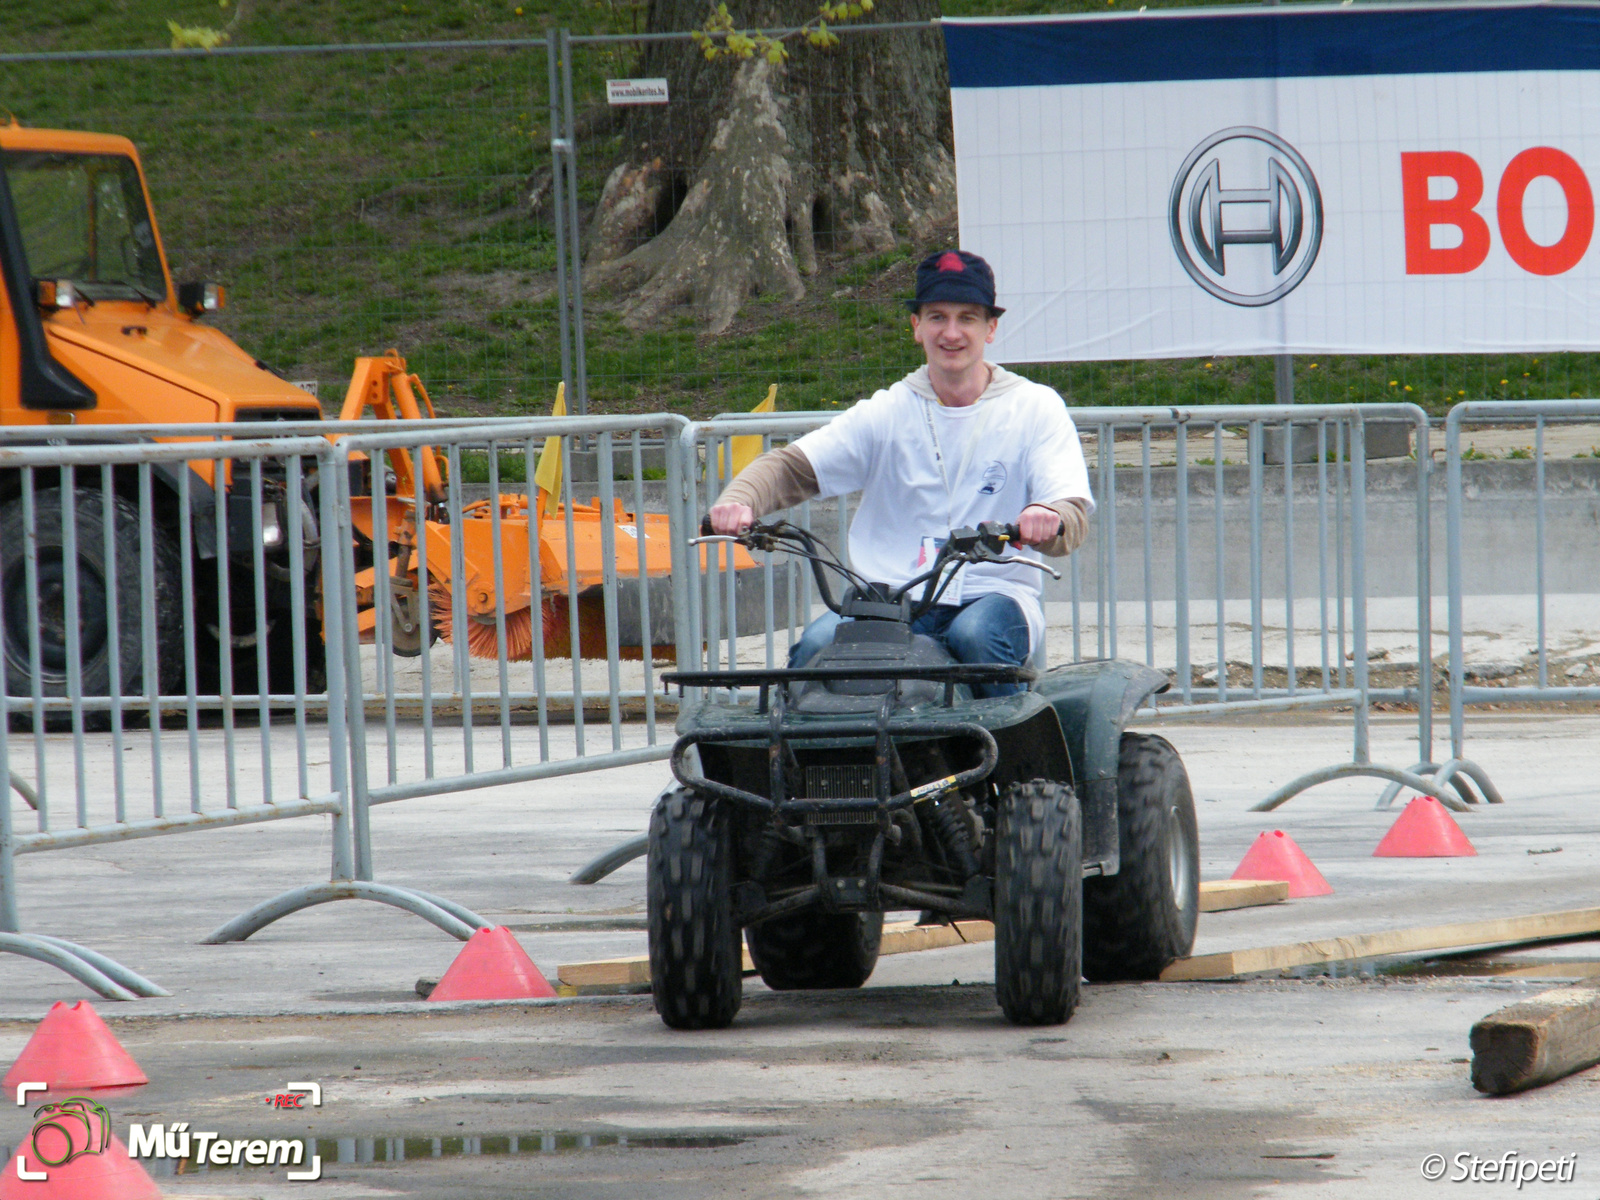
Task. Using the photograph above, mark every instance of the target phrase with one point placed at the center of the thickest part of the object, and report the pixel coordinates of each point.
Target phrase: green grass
(354, 202)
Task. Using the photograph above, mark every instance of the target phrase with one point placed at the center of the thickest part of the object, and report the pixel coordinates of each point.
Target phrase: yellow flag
(548, 473)
(747, 447)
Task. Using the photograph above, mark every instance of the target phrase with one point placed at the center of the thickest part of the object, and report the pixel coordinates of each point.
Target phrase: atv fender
(1094, 701)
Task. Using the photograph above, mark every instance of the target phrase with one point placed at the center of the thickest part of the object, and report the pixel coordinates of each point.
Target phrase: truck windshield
(83, 218)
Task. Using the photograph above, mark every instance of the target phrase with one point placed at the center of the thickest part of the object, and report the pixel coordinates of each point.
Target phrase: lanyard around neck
(938, 456)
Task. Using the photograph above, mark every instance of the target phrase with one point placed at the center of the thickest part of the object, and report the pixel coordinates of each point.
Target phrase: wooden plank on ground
(1220, 895)
(1535, 927)
(1537, 1041)
(899, 937)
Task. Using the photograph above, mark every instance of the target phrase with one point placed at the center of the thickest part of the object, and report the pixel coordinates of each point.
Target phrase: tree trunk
(733, 188)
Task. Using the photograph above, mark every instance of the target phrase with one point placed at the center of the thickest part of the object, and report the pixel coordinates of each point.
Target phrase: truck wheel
(1038, 911)
(1137, 921)
(94, 634)
(816, 949)
(695, 960)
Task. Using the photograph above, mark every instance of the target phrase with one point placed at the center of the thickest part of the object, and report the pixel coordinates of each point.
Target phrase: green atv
(873, 781)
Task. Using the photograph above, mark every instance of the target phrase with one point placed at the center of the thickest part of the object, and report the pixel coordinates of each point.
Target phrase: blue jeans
(990, 629)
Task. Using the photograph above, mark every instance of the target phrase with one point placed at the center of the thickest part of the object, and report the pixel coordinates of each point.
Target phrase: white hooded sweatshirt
(924, 469)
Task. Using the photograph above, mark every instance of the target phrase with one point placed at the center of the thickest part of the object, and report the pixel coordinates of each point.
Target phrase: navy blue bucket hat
(955, 277)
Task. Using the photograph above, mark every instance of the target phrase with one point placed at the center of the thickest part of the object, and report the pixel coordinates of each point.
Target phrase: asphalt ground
(1342, 1079)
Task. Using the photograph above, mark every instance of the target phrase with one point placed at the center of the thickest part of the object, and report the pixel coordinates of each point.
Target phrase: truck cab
(92, 329)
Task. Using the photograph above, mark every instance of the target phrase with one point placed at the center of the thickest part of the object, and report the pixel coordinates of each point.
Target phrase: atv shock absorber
(953, 833)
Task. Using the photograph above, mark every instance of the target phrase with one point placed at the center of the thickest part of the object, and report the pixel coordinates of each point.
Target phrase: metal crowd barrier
(506, 716)
(1542, 415)
(1320, 453)
(146, 628)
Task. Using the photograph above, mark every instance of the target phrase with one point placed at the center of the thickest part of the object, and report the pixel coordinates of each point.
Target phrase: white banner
(1311, 180)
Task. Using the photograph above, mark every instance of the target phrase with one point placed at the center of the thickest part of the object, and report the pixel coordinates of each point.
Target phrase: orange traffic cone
(1425, 830)
(72, 1049)
(1275, 856)
(492, 966)
(71, 1154)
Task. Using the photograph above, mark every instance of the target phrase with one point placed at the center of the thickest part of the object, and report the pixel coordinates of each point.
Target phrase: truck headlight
(271, 525)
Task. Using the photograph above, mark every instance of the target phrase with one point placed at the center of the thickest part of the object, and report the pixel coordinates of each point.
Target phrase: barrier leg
(618, 856)
(1478, 776)
(455, 920)
(74, 963)
(107, 966)
(1462, 786)
(1435, 788)
(20, 786)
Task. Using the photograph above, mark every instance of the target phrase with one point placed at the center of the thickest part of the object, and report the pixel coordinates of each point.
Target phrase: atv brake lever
(1027, 562)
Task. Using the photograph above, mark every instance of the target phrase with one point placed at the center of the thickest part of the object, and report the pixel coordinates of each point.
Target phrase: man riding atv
(901, 762)
(957, 442)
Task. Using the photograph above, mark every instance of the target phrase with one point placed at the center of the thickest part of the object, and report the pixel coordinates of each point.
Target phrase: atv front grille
(858, 817)
(853, 782)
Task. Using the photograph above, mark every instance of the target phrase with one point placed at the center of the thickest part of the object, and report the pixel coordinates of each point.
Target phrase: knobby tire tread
(1038, 903)
(695, 949)
(1133, 924)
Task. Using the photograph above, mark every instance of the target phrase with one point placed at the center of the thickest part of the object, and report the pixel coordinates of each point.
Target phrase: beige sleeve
(780, 478)
(1075, 517)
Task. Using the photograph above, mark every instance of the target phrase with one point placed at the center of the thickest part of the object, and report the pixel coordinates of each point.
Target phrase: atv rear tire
(1038, 909)
(1142, 918)
(816, 949)
(695, 960)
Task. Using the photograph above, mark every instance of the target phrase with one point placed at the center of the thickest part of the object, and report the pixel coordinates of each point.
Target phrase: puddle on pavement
(1489, 968)
(1485, 967)
(412, 1148)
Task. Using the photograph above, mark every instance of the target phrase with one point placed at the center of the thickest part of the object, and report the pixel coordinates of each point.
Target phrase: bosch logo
(1246, 216)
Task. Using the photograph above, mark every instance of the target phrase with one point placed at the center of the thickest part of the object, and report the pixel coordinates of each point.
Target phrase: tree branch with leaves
(719, 37)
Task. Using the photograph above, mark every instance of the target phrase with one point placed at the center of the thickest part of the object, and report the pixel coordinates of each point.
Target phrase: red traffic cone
(71, 1154)
(1275, 856)
(72, 1049)
(492, 966)
(1425, 830)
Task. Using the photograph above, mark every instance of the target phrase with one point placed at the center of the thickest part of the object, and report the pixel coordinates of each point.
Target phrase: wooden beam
(1220, 895)
(1537, 1041)
(1536, 927)
(899, 937)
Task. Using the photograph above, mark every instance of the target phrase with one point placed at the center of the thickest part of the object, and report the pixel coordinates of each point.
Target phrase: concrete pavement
(1344, 1081)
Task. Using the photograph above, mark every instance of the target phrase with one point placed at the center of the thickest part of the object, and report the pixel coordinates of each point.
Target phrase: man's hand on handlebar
(731, 519)
(1036, 526)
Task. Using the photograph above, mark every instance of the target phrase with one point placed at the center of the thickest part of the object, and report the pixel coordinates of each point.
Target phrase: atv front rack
(882, 729)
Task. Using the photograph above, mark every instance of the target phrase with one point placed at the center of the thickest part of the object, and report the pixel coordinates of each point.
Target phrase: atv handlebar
(986, 543)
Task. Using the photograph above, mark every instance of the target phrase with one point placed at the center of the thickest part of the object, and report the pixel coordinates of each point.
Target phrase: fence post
(347, 744)
(8, 883)
(559, 148)
(1452, 552)
(1358, 576)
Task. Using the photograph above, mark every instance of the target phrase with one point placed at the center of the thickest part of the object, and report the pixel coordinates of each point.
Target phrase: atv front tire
(1038, 910)
(695, 960)
(1142, 918)
(816, 949)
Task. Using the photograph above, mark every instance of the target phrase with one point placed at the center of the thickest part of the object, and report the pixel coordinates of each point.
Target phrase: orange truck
(93, 330)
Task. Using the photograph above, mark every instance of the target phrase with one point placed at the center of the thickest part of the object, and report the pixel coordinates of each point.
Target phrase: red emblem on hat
(951, 261)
